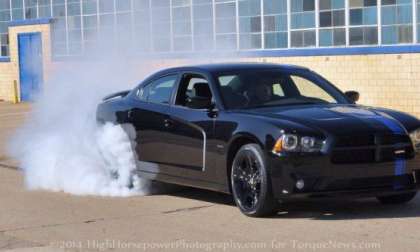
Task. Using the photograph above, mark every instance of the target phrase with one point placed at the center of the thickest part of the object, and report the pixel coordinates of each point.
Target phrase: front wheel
(397, 199)
(251, 186)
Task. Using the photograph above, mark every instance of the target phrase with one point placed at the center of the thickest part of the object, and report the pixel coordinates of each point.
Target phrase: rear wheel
(251, 185)
(397, 199)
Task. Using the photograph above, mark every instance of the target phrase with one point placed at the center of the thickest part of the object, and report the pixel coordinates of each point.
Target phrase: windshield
(253, 89)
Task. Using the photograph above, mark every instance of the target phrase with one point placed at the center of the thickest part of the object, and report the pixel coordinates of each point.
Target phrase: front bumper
(324, 179)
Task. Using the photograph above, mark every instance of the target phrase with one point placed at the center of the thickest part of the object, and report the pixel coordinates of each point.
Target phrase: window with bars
(142, 25)
(275, 24)
(31, 10)
(226, 30)
(74, 27)
(250, 24)
(90, 21)
(302, 23)
(363, 15)
(17, 9)
(418, 20)
(44, 8)
(332, 21)
(396, 21)
(123, 29)
(4, 20)
(161, 25)
(181, 25)
(203, 25)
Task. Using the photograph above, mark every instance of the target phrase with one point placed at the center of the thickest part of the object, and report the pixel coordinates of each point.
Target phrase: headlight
(295, 143)
(415, 139)
(289, 142)
(308, 143)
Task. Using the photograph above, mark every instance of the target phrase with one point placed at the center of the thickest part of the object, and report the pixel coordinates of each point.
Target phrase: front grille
(394, 139)
(404, 181)
(353, 156)
(355, 141)
(371, 149)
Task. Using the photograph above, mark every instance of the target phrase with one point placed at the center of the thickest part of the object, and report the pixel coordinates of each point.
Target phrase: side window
(191, 91)
(309, 89)
(159, 91)
(192, 86)
(278, 90)
(142, 94)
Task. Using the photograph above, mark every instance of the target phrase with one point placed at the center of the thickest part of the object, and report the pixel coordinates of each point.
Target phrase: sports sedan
(266, 133)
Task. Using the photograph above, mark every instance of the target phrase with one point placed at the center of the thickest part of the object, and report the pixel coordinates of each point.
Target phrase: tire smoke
(62, 148)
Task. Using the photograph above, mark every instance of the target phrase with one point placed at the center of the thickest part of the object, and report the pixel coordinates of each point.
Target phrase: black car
(266, 133)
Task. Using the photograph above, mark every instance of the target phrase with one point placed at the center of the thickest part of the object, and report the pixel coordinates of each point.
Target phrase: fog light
(300, 184)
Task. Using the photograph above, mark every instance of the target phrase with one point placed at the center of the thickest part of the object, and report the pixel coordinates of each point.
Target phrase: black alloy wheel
(250, 183)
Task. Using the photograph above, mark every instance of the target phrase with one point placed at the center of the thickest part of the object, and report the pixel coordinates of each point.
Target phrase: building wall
(7, 76)
(9, 71)
(385, 80)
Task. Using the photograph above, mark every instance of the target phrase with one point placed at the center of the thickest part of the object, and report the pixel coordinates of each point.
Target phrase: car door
(191, 132)
(150, 111)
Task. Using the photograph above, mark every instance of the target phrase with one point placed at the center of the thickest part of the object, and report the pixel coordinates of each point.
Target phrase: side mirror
(352, 96)
(199, 102)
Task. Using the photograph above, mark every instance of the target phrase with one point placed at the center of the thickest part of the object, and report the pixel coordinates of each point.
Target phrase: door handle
(168, 123)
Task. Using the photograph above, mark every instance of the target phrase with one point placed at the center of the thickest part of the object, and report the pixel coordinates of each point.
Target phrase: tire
(250, 182)
(397, 199)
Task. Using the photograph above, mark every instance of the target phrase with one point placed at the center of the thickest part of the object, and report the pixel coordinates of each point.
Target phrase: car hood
(342, 119)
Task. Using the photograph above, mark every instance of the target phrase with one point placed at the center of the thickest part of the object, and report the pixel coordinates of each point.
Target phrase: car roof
(223, 67)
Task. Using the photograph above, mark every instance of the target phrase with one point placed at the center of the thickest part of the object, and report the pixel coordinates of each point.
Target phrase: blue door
(30, 65)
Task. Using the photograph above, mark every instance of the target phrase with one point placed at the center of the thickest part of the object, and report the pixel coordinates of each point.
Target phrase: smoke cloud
(62, 148)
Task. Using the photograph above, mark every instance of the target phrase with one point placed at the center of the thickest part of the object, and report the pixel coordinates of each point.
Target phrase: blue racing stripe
(400, 166)
(391, 124)
(400, 163)
(399, 169)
